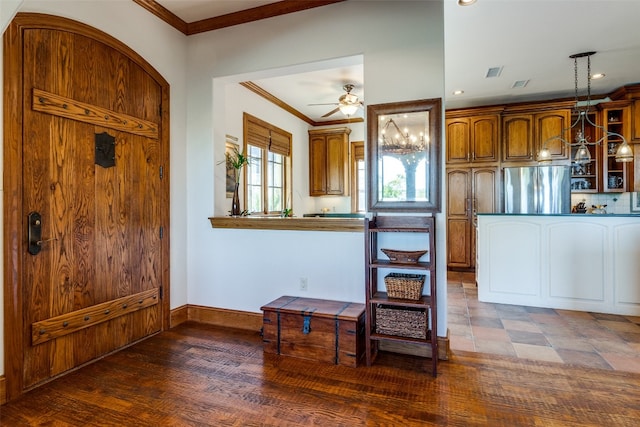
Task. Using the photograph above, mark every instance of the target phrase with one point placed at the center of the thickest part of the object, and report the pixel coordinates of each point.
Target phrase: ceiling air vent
(519, 83)
(494, 72)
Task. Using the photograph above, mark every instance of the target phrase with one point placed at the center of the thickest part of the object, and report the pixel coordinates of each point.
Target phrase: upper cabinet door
(458, 137)
(473, 139)
(329, 162)
(518, 138)
(484, 138)
(337, 172)
(550, 125)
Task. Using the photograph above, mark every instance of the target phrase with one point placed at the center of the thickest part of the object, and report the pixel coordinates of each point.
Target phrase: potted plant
(236, 160)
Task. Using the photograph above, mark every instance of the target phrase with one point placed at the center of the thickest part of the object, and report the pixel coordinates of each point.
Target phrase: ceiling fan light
(348, 109)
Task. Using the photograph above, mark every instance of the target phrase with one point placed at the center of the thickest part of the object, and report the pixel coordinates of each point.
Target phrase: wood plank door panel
(96, 284)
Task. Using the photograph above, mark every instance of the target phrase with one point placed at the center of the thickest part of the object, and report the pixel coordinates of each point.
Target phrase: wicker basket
(404, 286)
(405, 322)
(403, 257)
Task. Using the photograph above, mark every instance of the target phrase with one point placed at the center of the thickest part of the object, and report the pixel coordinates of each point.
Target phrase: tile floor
(595, 340)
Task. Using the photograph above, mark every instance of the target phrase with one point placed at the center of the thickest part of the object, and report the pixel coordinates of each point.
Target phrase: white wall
(402, 46)
(165, 48)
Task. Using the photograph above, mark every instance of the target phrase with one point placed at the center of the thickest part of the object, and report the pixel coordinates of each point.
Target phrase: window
(268, 174)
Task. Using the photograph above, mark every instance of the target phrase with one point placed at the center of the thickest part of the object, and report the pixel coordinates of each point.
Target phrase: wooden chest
(316, 329)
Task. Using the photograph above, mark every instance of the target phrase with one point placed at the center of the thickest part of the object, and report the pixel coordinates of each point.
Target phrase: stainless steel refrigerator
(537, 190)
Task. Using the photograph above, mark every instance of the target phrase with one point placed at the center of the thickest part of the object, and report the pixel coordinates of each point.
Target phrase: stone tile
(487, 322)
(458, 318)
(503, 348)
(611, 317)
(481, 333)
(557, 330)
(541, 310)
(508, 308)
(634, 319)
(623, 362)
(537, 352)
(524, 337)
(520, 325)
(483, 312)
(618, 326)
(547, 318)
(630, 338)
(461, 343)
(583, 358)
(457, 309)
(460, 330)
(512, 315)
(613, 347)
(597, 332)
(570, 343)
(572, 314)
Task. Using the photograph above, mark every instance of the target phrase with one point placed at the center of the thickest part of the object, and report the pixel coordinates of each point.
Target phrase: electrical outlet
(303, 284)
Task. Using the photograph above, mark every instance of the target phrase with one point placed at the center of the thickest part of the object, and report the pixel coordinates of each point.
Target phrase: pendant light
(624, 153)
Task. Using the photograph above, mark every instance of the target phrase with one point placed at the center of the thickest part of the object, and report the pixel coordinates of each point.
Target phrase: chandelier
(582, 154)
(394, 141)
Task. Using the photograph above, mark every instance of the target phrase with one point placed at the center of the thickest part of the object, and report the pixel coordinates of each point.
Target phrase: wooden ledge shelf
(296, 224)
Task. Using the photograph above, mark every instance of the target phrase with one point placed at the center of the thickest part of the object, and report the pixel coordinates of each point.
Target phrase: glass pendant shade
(544, 156)
(582, 155)
(624, 153)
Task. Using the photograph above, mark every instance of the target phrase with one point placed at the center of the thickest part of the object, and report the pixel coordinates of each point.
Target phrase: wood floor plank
(200, 375)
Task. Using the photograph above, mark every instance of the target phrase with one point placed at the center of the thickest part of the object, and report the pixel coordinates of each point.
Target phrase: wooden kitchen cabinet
(473, 139)
(329, 162)
(524, 135)
(470, 191)
(617, 177)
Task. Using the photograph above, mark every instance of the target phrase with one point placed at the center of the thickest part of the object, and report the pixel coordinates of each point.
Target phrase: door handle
(34, 233)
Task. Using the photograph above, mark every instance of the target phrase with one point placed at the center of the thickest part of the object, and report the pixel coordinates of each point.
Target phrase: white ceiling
(530, 39)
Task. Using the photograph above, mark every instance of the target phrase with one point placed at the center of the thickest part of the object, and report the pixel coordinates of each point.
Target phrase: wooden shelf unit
(376, 297)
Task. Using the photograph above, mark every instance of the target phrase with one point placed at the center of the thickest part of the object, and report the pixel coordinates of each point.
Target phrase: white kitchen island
(574, 262)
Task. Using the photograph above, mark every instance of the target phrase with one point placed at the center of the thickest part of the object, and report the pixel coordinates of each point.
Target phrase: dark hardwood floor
(197, 375)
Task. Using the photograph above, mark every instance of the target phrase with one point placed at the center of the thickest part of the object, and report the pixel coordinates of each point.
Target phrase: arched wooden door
(86, 198)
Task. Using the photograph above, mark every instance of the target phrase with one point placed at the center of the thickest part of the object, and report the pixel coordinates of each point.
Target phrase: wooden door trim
(14, 245)
(61, 106)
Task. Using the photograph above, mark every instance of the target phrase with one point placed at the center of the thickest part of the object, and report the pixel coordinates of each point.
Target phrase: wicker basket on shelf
(404, 286)
(402, 322)
(403, 257)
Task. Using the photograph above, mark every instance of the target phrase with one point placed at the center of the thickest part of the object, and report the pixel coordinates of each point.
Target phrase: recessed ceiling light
(458, 92)
(598, 76)
(519, 83)
(466, 2)
(494, 72)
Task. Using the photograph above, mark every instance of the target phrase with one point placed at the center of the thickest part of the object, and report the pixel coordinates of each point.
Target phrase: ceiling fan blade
(328, 103)
(335, 110)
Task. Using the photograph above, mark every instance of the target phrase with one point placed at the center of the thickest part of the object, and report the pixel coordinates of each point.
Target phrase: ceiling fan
(348, 103)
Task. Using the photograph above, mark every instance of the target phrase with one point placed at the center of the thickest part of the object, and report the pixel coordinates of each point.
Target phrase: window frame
(269, 139)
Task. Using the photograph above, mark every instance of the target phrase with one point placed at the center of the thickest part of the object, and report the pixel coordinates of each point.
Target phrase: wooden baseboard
(179, 315)
(217, 316)
(253, 322)
(3, 390)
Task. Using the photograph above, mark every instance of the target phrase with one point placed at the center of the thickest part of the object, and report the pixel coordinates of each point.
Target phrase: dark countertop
(334, 215)
(567, 214)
